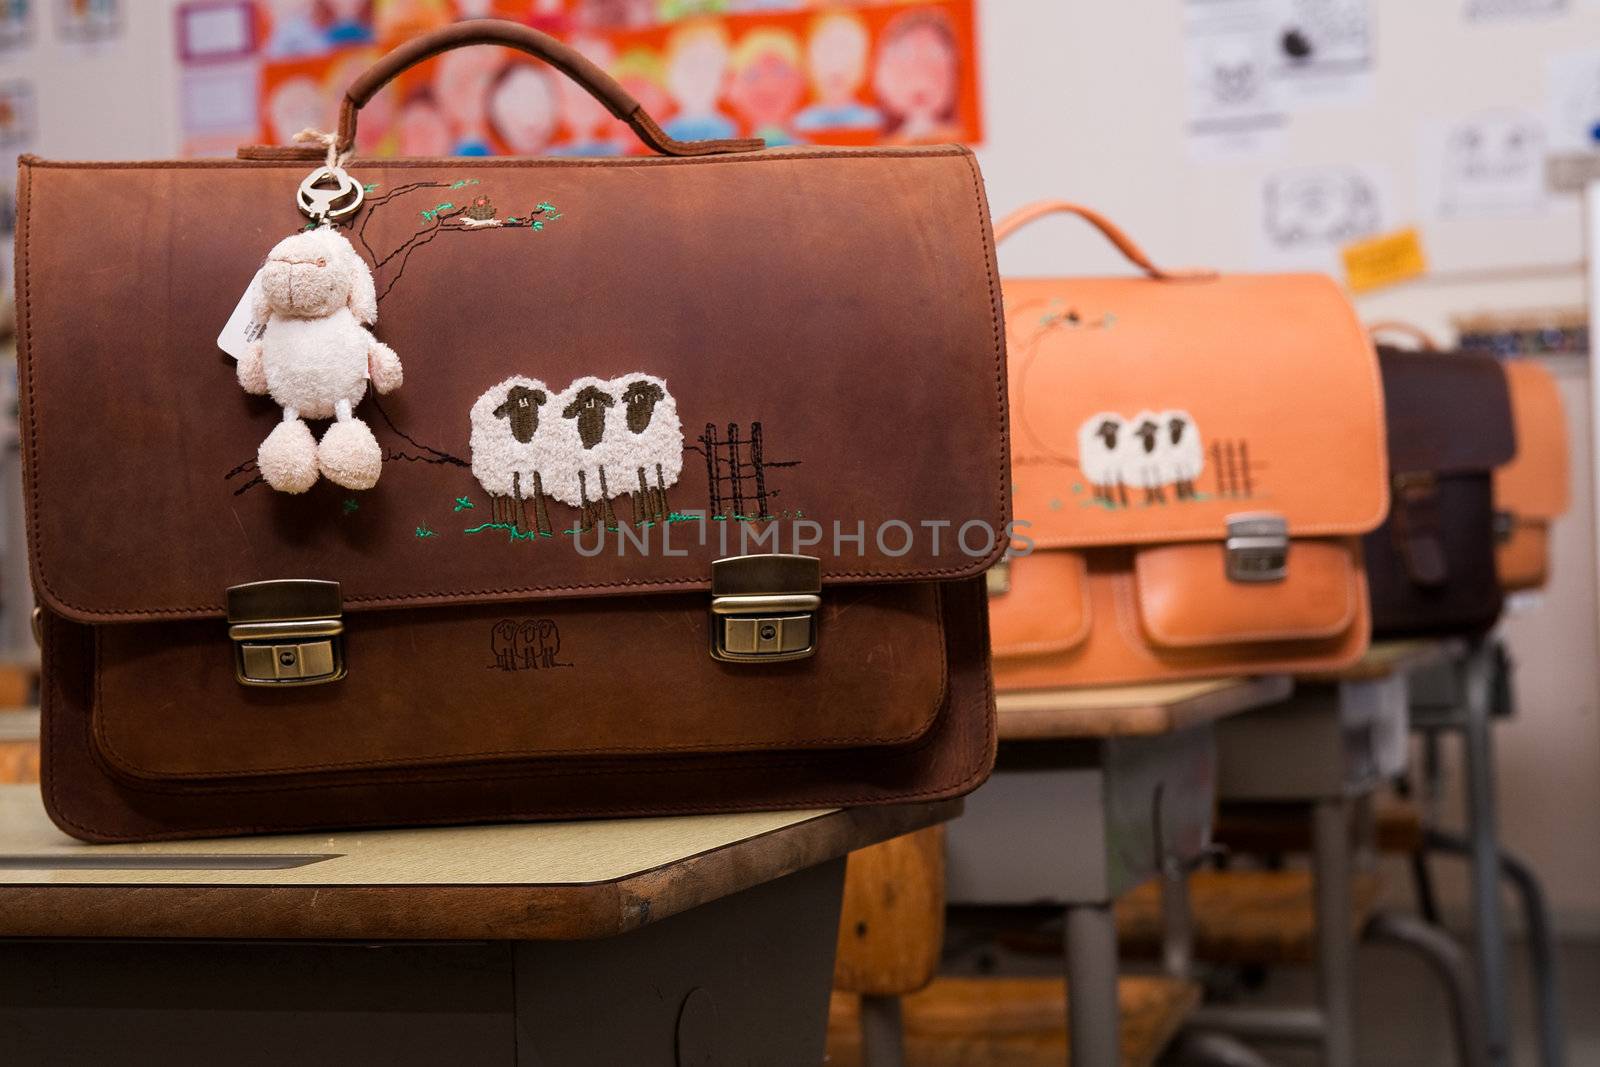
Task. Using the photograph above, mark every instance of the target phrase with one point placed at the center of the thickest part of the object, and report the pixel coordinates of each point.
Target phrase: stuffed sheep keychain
(312, 303)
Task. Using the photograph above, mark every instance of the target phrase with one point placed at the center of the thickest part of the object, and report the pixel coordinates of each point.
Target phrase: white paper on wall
(1476, 10)
(1486, 163)
(1325, 52)
(1306, 214)
(1233, 105)
(1573, 101)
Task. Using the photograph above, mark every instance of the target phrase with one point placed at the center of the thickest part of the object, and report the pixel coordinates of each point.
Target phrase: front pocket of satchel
(1186, 600)
(601, 677)
(1046, 607)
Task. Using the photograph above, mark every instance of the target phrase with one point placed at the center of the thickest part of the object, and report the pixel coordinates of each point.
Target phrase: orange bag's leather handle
(1135, 255)
(568, 61)
(1423, 339)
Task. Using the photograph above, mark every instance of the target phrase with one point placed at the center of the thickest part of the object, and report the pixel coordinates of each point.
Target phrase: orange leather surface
(1523, 560)
(1145, 412)
(1274, 372)
(1534, 484)
(1185, 599)
(1533, 487)
(1046, 609)
(1117, 649)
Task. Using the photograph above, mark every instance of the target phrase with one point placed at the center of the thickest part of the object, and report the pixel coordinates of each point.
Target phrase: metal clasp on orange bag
(287, 632)
(764, 608)
(1257, 547)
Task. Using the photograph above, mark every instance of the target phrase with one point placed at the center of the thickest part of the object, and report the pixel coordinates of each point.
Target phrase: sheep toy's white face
(309, 275)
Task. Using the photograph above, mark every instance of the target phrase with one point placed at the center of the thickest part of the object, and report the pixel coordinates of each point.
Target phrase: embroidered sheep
(1098, 458)
(1183, 452)
(1141, 457)
(510, 443)
(315, 300)
(595, 441)
(576, 474)
(1150, 451)
(646, 439)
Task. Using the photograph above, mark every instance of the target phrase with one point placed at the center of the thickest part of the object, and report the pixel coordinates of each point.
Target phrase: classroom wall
(1086, 100)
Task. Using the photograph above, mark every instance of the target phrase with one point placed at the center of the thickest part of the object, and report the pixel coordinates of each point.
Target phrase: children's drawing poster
(792, 72)
(16, 28)
(1235, 102)
(1325, 51)
(1573, 101)
(1486, 163)
(1307, 214)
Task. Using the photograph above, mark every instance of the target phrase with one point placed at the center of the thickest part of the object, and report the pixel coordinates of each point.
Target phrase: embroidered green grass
(463, 504)
(516, 532)
(423, 532)
(350, 505)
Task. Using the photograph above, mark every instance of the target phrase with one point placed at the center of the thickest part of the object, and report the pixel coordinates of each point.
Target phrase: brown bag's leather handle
(1422, 338)
(1023, 216)
(568, 61)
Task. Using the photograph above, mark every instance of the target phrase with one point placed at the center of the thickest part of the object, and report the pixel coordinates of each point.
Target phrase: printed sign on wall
(852, 73)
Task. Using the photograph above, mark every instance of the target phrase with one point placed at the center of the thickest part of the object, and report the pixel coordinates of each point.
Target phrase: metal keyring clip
(324, 205)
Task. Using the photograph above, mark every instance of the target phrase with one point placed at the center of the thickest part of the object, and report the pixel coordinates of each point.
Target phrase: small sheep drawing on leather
(1150, 450)
(316, 300)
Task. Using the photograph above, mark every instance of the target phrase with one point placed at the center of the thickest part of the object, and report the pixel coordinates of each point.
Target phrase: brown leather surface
(809, 291)
(1280, 382)
(87, 799)
(1532, 490)
(662, 693)
(835, 369)
(1431, 566)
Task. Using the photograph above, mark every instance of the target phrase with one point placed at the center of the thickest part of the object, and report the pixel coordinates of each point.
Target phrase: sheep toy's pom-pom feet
(349, 455)
(288, 457)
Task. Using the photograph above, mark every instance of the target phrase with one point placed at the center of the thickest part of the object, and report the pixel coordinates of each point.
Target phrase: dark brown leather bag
(1431, 566)
(828, 322)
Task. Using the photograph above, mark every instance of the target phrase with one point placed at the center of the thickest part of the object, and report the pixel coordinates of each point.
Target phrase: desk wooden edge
(453, 913)
(1408, 655)
(1143, 720)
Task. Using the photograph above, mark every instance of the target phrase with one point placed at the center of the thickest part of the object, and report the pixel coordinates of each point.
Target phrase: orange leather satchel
(1530, 492)
(1195, 457)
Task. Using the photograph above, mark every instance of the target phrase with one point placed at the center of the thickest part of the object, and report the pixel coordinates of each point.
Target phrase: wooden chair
(889, 1009)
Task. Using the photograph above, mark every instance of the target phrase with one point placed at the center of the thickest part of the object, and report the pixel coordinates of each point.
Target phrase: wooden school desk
(1095, 792)
(1328, 748)
(679, 941)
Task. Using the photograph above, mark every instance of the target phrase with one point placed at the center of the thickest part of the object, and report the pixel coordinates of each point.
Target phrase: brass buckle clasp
(287, 632)
(764, 608)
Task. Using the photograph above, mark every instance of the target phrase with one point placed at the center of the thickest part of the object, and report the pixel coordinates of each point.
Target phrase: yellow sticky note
(1386, 259)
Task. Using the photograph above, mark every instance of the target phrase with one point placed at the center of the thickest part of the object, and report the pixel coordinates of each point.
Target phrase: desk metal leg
(1484, 858)
(1331, 871)
(1540, 940)
(1092, 1017)
(883, 1041)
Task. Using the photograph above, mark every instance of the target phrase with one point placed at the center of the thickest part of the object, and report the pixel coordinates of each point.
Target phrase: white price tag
(240, 330)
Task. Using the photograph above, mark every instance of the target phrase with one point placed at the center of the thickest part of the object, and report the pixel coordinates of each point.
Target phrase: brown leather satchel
(786, 609)
(1531, 492)
(1432, 564)
(1195, 457)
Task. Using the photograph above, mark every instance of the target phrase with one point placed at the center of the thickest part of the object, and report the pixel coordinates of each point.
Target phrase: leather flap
(1046, 608)
(826, 323)
(1534, 484)
(1185, 599)
(1151, 410)
(1449, 412)
(492, 690)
